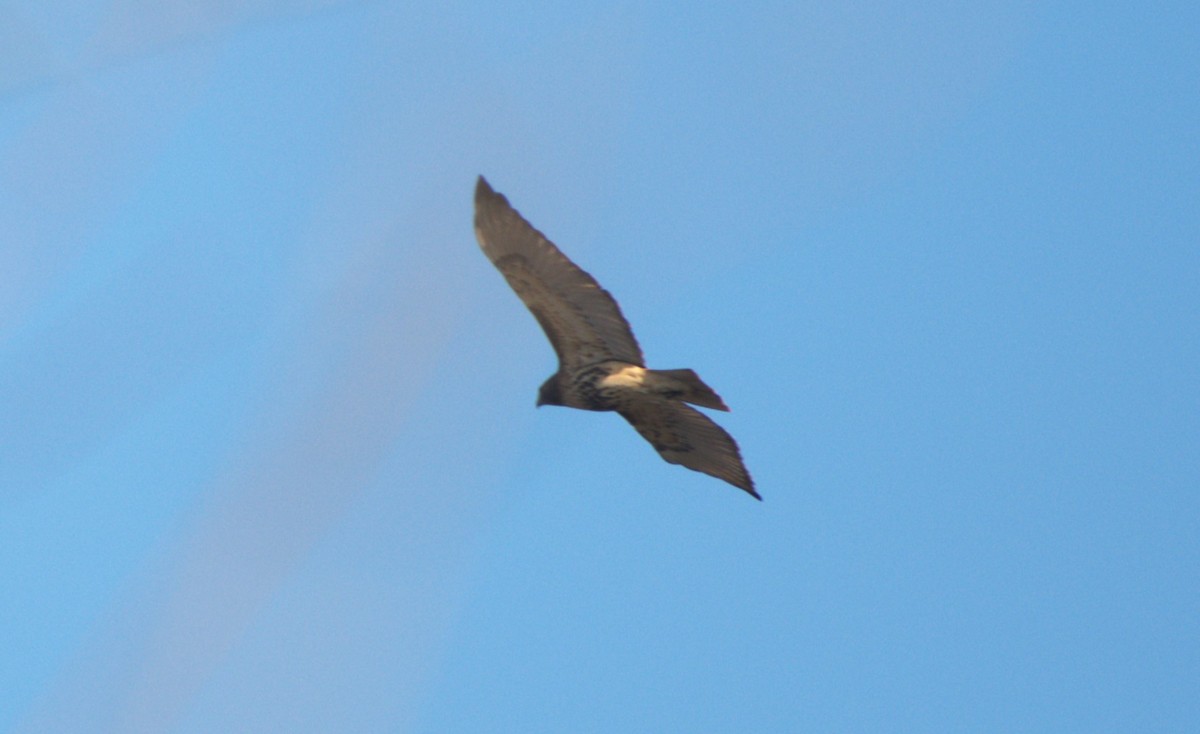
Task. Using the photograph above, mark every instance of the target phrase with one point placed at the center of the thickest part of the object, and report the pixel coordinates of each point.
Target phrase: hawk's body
(600, 365)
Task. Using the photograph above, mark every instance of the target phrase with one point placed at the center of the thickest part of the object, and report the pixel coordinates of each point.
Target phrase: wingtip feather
(483, 188)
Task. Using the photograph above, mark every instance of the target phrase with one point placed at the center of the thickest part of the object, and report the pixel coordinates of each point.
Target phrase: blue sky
(269, 458)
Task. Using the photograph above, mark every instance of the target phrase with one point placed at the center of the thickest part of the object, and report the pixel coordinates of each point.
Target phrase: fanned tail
(687, 386)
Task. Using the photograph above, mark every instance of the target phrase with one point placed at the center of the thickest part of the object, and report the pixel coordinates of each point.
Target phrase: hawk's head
(550, 393)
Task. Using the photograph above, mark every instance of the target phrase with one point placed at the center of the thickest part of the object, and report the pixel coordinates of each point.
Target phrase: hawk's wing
(580, 318)
(684, 435)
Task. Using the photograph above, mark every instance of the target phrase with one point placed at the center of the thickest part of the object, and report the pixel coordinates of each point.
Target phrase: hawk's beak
(539, 402)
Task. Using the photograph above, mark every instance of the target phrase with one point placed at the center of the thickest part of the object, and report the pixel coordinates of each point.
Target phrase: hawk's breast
(600, 386)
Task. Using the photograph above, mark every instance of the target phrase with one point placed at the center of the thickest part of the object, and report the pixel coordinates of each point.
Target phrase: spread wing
(581, 319)
(683, 435)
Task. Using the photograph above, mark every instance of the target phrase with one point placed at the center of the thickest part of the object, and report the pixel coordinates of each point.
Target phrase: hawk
(600, 365)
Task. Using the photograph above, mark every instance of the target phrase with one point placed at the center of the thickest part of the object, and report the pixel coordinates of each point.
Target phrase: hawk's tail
(687, 386)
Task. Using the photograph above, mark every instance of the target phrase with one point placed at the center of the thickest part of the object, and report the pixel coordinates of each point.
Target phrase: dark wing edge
(685, 436)
(582, 320)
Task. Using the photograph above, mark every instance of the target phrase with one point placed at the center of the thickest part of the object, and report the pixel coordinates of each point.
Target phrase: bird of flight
(600, 365)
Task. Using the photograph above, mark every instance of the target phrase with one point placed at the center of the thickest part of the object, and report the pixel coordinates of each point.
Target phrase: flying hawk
(600, 365)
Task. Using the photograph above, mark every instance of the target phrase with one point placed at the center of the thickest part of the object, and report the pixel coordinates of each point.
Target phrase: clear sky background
(269, 458)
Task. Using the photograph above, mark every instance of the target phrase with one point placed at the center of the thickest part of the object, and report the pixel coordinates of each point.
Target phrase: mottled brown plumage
(600, 365)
